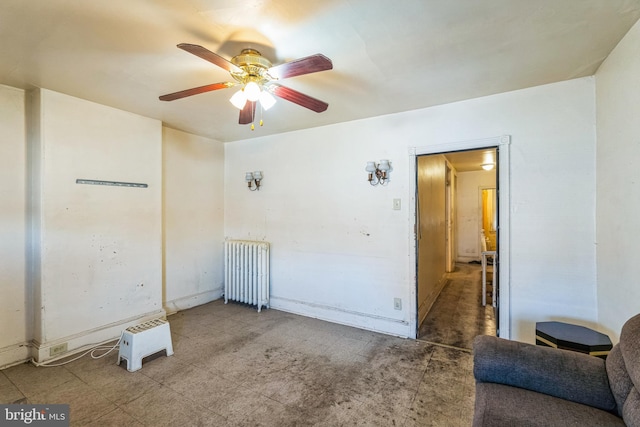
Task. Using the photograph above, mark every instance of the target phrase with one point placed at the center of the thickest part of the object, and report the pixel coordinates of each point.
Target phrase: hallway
(457, 315)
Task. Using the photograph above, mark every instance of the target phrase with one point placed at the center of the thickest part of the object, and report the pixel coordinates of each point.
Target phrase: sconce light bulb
(253, 178)
(371, 167)
(378, 172)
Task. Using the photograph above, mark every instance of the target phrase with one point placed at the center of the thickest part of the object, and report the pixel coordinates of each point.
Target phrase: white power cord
(92, 350)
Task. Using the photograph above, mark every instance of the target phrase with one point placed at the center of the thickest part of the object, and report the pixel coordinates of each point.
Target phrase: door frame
(450, 210)
(502, 143)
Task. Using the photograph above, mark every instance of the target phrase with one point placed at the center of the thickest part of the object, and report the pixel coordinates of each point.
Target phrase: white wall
(101, 258)
(468, 211)
(618, 188)
(14, 309)
(100, 262)
(338, 247)
(341, 253)
(193, 219)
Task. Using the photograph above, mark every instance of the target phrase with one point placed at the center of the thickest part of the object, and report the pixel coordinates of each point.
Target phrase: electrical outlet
(397, 304)
(58, 349)
(396, 204)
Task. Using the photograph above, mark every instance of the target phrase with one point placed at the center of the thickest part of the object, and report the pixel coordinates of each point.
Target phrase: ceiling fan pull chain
(261, 111)
(253, 115)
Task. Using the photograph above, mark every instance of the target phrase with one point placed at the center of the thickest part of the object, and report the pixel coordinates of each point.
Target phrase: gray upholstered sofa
(520, 384)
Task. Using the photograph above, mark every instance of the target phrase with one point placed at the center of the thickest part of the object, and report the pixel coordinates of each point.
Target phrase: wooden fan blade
(308, 65)
(195, 91)
(248, 113)
(207, 55)
(299, 98)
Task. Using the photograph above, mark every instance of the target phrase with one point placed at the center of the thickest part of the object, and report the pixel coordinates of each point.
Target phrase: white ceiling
(388, 56)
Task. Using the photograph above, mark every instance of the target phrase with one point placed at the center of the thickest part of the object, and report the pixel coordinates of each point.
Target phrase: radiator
(246, 272)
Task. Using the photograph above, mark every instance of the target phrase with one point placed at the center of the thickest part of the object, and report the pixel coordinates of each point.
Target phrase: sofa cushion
(630, 348)
(619, 379)
(631, 409)
(502, 405)
(559, 373)
(630, 351)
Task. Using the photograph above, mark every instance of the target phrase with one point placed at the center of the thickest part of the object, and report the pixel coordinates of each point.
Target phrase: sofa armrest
(568, 375)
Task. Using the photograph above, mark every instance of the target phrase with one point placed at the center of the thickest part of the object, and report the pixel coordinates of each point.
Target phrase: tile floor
(235, 367)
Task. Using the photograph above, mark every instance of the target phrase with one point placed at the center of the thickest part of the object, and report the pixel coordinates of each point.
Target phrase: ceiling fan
(258, 78)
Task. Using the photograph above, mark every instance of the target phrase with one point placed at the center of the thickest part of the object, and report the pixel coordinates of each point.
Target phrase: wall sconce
(380, 171)
(252, 177)
(488, 166)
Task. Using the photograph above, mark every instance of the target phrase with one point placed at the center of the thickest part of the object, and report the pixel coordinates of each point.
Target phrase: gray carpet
(235, 367)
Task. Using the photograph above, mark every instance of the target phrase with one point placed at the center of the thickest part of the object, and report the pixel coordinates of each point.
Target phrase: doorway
(456, 218)
(489, 217)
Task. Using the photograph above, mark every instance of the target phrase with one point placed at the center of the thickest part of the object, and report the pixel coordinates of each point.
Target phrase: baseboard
(429, 304)
(190, 301)
(15, 354)
(371, 322)
(87, 339)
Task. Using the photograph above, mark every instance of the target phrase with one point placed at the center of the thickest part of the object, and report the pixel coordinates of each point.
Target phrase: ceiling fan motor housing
(255, 67)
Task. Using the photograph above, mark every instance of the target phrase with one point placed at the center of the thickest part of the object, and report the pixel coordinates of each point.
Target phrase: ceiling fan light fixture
(252, 91)
(266, 100)
(256, 75)
(239, 99)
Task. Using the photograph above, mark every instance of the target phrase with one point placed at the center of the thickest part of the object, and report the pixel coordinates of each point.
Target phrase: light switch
(396, 204)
